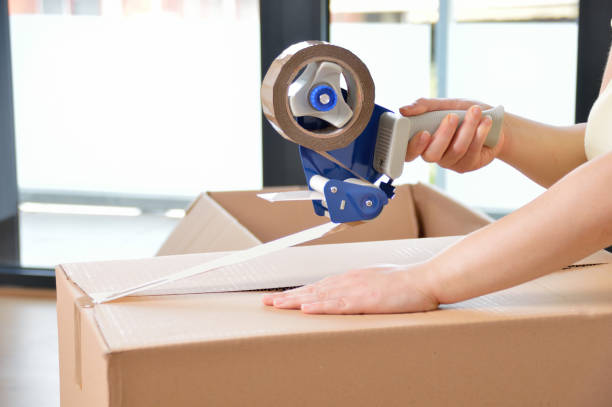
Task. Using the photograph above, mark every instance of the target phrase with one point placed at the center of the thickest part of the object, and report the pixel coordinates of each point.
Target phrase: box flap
(286, 268)
(207, 227)
(273, 220)
(149, 321)
(289, 267)
(267, 220)
(440, 215)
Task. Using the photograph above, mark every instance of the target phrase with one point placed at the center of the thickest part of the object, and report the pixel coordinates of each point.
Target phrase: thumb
(413, 109)
(424, 105)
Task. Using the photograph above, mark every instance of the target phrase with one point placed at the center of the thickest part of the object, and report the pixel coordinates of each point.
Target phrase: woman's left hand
(374, 290)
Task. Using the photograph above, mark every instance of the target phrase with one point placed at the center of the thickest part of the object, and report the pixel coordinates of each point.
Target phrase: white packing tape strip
(292, 196)
(230, 259)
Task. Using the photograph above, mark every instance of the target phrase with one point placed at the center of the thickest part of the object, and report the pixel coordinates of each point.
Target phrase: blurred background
(116, 114)
(125, 110)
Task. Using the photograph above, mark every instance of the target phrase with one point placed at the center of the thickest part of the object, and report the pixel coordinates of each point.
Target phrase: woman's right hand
(458, 148)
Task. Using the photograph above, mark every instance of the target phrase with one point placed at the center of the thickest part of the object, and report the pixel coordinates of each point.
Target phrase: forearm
(543, 153)
(566, 223)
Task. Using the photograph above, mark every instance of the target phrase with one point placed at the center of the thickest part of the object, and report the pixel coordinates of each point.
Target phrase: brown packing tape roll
(283, 71)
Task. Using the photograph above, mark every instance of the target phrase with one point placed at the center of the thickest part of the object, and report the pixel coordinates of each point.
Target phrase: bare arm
(569, 221)
(607, 73)
(543, 153)
(566, 223)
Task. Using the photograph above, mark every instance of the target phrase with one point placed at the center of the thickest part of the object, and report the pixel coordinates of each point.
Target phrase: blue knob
(322, 98)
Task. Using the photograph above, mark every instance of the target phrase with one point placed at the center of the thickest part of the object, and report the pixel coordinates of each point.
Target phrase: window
(131, 108)
(523, 58)
(518, 53)
(394, 40)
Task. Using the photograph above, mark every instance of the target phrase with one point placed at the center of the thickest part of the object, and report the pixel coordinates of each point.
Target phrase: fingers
(488, 154)
(326, 293)
(268, 299)
(335, 306)
(462, 138)
(424, 105)
(318, 294)
(441, 139)
(417, 145)
(457, 147)
(477, 154)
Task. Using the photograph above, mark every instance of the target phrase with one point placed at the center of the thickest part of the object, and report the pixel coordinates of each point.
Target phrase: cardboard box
(219, 221)
(546, 342)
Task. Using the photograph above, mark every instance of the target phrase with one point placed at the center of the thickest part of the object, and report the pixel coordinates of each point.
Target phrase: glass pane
(525, 60)
(135, 107)
(394, 40)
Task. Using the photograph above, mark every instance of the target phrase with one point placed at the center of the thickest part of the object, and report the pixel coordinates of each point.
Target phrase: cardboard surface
(440, 215)
(215, 230)
(214, 218)
(546, 342)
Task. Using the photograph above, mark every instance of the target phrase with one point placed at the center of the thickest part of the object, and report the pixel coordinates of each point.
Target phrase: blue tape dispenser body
(352, 200)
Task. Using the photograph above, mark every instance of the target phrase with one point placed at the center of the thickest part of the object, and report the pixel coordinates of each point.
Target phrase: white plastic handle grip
(431, 120)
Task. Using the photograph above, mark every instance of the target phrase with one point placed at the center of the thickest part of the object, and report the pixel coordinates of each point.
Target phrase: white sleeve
(598, 135)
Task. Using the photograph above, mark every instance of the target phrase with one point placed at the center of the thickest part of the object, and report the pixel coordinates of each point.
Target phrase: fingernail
(488, 121)
(453, 119)
(406, 108)
(278, 301)
(476, 110)
(306, 307)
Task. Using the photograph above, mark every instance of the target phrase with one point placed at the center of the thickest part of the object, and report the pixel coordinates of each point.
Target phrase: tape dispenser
(351, 148)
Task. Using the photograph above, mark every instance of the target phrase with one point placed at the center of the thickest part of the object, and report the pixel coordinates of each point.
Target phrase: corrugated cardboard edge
(84, 375)
(228, 233)
(440, 215)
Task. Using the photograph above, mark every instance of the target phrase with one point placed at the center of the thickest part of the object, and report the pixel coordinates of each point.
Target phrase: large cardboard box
(547, 342)
(218, 221)
(544, 343)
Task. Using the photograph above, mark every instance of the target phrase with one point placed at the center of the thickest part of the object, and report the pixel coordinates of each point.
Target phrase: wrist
(421, 278)
(506, 150)
(435, 278)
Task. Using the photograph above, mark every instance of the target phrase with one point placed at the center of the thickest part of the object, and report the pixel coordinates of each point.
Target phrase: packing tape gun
(347, 143)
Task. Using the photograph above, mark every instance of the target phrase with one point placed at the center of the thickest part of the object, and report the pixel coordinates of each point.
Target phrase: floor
(29, 371)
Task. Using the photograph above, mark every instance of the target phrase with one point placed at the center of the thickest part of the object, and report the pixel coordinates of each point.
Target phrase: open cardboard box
(219, 221)
(546, 342)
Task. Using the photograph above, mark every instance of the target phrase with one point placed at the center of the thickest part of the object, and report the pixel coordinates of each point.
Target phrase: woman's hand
(374, 290)
(458, 148)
